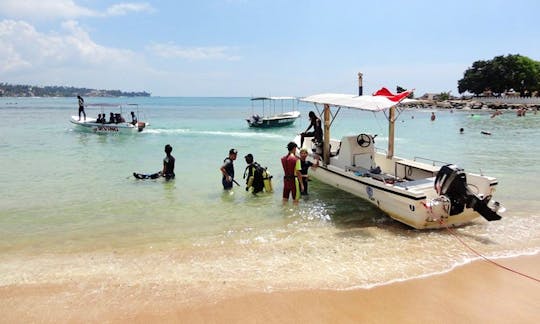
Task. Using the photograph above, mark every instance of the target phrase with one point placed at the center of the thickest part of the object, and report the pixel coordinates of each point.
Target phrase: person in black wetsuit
(304, 167)
(317, 133)
(168, 164)
(81, 107)
(168, 168)
(133, 118)
(227, 169)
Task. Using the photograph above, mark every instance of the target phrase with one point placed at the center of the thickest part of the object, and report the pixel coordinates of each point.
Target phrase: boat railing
(432, 161)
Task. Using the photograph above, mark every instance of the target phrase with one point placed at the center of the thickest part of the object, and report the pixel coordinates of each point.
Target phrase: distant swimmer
(496, 113)
(485, 133)
(433, 117)
(461, 130)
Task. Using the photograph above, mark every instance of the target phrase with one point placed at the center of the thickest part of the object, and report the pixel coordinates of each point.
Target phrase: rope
(485, 258)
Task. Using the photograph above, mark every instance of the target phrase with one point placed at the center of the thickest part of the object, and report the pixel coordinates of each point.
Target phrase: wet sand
(475, 293)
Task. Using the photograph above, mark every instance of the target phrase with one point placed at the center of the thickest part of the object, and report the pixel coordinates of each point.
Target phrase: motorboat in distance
(113, 122)
(269, 117)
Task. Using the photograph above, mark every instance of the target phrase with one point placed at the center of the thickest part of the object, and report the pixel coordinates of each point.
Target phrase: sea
(71, 211)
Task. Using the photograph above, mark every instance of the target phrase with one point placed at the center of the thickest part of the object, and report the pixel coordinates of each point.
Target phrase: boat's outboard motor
(451, 182)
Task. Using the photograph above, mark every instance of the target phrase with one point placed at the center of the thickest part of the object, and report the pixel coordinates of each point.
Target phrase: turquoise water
(69, 207)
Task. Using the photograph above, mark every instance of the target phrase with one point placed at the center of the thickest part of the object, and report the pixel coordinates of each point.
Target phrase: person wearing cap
(291, 167)
(227, 169)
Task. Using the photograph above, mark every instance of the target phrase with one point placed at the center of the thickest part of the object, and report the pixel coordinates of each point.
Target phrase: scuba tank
(267, 181)
(258, 178)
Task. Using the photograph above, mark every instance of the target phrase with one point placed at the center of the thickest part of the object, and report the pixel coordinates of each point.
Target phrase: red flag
(395, 98)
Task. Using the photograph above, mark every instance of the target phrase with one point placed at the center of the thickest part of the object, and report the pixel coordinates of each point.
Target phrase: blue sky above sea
(245, 48)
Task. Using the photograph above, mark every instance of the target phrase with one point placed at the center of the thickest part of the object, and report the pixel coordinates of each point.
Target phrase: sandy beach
(474, 293)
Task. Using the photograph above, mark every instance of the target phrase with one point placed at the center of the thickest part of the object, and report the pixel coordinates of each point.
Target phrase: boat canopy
(102, 105)
(273, 98)
(381, 100)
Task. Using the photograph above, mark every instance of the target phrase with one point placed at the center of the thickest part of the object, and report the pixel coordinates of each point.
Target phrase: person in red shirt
(291, 167)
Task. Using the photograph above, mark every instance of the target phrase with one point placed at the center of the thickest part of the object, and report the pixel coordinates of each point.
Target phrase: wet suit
(168, 167)
(317, 132)
(81, 107)
(291, 164)
(304, 167)
(229, 168)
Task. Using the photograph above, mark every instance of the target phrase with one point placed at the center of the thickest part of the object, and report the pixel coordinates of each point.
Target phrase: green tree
(501, 74)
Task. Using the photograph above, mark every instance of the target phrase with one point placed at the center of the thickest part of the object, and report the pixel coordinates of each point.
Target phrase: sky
(253, 48)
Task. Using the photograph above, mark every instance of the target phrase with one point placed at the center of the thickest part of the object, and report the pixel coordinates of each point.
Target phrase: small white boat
(421, 195)
(115, 123)
(273, 119)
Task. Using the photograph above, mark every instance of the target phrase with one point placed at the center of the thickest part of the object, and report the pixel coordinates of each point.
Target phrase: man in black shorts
(317, 134)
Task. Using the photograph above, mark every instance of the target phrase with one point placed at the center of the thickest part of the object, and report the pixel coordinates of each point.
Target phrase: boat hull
(121, 128)
(281, 120)
(414, 202)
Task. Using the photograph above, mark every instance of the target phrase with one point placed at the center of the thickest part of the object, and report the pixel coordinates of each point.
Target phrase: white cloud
(64, 9)
(193, 53)
(24, 50)
(27, 44)
(125, 8)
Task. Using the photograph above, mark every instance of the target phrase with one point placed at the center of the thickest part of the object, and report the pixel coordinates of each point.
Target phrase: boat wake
(214, 133)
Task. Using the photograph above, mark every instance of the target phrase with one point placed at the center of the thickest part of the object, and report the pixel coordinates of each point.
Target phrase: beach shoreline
(475, 292)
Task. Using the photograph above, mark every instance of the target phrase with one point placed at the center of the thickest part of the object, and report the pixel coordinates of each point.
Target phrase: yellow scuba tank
(267, 181)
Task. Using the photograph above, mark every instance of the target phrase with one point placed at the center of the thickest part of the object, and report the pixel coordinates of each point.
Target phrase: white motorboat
(421, 195)
(114, 123)
(269, 116)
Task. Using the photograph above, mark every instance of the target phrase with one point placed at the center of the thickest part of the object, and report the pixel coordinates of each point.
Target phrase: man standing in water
(227, 169)
(81, 108)
(168, 164)
(291, 167)
(305, 165)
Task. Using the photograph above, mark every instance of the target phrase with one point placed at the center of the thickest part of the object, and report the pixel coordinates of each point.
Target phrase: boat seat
(417, 184)
(363, 172)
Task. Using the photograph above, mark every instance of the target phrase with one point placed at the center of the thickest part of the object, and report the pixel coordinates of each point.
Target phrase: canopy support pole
(391, 124)
(326, 135)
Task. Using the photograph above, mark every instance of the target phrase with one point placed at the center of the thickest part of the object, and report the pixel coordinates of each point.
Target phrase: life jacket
(258, 178)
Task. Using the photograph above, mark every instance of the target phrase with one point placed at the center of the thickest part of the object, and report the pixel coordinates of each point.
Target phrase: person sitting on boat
(133, 118)
(317, 132)
(117, 118)
(98, 119)
(168, 164)
(112, 120)
(304, 167)
(120, 118)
